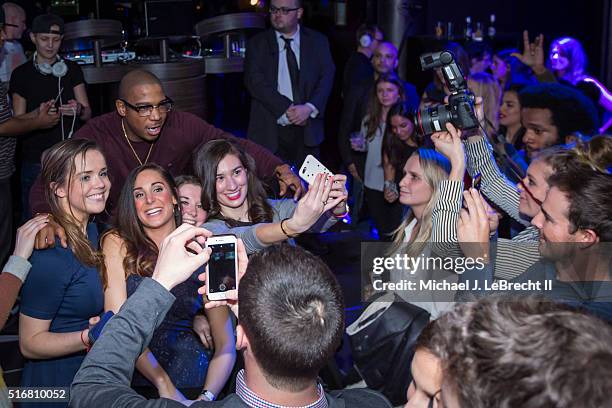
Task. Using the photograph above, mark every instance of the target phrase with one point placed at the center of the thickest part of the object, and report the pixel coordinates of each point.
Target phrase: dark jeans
(29, 173)
(291, 146)
(386, 216)
(6, 219)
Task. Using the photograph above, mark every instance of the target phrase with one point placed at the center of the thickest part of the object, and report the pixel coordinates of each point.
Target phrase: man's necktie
(294, 71)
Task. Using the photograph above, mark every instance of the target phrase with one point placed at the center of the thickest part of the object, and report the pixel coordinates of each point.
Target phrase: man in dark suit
(289, 73)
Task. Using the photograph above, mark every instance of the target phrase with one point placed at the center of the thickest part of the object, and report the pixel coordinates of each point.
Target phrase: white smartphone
(311, 167)
(222, 267)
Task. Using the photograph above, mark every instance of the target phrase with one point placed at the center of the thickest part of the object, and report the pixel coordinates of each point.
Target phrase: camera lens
(434, 119)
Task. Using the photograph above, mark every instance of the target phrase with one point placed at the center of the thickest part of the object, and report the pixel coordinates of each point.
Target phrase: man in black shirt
(358, 67)
(47, 76)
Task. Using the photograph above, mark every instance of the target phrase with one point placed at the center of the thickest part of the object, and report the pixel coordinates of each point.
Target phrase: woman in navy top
(64, 290)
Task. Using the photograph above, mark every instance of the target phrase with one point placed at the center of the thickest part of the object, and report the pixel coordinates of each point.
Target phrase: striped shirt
(7, 144)
(255, 401)
(513, 256)
(444, 218)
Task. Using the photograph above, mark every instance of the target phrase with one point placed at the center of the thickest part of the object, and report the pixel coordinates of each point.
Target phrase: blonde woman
(486, 86)
(432, 186)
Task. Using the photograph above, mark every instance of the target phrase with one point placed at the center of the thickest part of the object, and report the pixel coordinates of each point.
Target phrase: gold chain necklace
(131, 147)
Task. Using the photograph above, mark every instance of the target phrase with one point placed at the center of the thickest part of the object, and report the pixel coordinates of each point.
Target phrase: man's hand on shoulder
(45, 238)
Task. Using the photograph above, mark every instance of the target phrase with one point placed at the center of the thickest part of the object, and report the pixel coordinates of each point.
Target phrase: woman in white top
(388, 90)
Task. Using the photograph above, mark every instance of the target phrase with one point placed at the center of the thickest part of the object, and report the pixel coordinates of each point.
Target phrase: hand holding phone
(179, 256)
(231, 296)
(53, 108)
(310, 168)
(72, 108)
(222, 267)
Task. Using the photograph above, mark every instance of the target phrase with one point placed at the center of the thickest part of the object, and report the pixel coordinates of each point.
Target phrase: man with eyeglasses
(289, 73)
(144, 129)
(14, 26)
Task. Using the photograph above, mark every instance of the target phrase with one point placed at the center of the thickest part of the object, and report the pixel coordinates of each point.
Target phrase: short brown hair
(531, 352)
(292, 312)
(590, 200)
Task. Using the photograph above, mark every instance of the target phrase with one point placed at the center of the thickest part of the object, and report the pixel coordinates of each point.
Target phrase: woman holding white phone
(237, 203)
(176, 362)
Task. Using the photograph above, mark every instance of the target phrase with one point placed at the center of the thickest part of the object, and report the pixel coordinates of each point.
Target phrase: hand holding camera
(450, 145)
(459, 111)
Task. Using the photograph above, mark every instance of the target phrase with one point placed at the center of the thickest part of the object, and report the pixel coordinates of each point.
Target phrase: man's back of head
(527, 352)
(292, 313)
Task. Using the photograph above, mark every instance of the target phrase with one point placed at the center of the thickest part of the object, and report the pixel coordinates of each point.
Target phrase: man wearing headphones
(358, 67)
(47, 76)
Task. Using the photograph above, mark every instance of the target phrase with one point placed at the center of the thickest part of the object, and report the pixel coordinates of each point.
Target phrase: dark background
(585, 20)
(228, 103)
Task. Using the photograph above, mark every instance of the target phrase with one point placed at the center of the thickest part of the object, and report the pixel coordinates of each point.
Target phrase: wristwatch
(208, 396)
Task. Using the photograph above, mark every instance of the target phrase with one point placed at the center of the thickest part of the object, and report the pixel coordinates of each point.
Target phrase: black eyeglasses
(164, 106)
(11, 25)
(283, 10)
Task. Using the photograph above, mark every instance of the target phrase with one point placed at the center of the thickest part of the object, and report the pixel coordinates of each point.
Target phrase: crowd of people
(116, 211)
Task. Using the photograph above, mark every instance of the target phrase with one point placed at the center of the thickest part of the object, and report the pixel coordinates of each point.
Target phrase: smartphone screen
(222, 268)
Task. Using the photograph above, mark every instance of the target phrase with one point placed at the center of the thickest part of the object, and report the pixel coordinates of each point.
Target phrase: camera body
(460, 108)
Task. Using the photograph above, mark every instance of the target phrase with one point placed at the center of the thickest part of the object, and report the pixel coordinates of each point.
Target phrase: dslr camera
(460, 108)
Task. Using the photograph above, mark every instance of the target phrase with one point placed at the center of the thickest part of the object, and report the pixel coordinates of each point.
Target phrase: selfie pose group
(158, 262)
